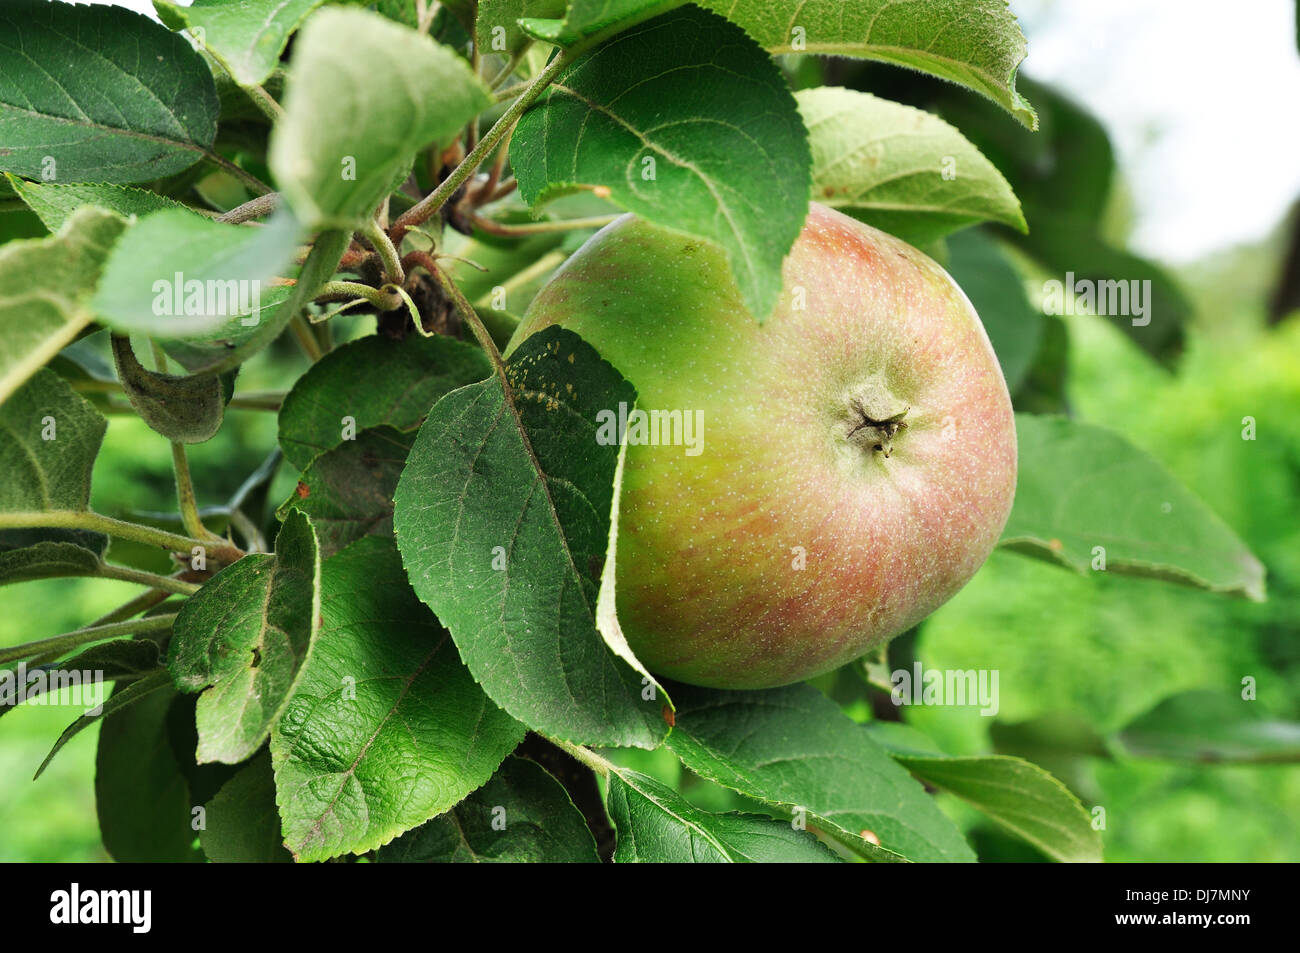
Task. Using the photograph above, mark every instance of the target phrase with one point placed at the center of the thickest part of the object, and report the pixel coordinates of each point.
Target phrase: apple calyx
(871, 428)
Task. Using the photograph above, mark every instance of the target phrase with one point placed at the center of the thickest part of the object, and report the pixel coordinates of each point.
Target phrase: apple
(852, 460)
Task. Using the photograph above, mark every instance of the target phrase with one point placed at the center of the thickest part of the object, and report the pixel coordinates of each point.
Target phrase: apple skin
(800, 465)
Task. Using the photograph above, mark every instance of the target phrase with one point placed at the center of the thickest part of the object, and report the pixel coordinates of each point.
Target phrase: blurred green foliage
(1107, 649)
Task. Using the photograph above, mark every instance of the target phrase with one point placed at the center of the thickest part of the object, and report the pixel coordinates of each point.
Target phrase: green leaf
(243, 826)
(1064, 170)
(142, 797)
(586, 18)
(119, 660)
(903, 170)
(976, 43)
(126, 695)
(246, 37)
(502, 516)
(1043, 388)
(56, 203)
(1054, 733)
(995, 288)
(99, 94)
(655, 824)
(1018, 796)
(224, 354)
(522, 815)
(611, 630)
(49, 437)
(1072, 253)
(1087, 498)
(1209, 727)
(44, 284)
(363, 95)
(29, 554)
(792, 747)
(692, 127)
(245, 638)
(204, 780)
(175, 274)
(497, 27)
(387, 729)
(348, 491)
(185, 408)
(374, 381)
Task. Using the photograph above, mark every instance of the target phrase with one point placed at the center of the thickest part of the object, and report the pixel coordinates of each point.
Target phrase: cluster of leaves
(441, 583)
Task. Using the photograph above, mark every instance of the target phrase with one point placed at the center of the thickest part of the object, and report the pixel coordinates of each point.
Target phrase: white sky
(1202, 100)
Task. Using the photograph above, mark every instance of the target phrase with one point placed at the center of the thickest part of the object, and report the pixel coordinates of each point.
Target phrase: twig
(253, 208)
(141, 603)
(431, 204)
(493, 227)
(70, 640)
(97, 522)
(265, 102)
(168, 584)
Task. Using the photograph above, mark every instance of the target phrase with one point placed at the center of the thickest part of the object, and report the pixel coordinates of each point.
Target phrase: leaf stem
(508, 70)
(427, 207)
(301, 329)
(552, 259)
(97, 522)
(588, 757)
(387, 250)
(252, 181)
(257, 93)
(476, 325)
(252, 535)
(484, 194)
(258, 400)
(141, 603)
(95, 633)
(167, 584)
(493, 227)
(265, 102)
(354, 289)
(510, 92)
(504, 189)
(185, 498)
(253, 400)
